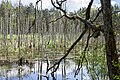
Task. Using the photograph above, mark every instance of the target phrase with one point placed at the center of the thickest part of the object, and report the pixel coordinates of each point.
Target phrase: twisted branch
(83, 57)
(76, 16)
(88, 24)
(88, 38)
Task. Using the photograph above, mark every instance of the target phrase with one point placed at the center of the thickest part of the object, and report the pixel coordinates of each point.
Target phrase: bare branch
(88, 38)
(33, 23)
(80, 63)
(76, 16)
(38, 1)
(100, 10)
(88, 10)
(46, 77)
(52, 74)
(89, 26)
(83, 56)
(88, 23)
(56, 65)
(56, 19)
(60, 2)
(58, 7)
(115, 12)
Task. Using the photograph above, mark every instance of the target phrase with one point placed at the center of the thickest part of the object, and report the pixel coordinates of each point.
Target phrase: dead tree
(107, 30)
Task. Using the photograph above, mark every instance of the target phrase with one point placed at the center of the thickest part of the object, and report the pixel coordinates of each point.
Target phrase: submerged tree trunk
(110, 42)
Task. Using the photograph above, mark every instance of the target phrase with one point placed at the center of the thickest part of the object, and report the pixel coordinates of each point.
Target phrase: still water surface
(66, 71)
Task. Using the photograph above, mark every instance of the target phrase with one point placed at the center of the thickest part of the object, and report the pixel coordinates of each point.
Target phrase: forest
(53, 44)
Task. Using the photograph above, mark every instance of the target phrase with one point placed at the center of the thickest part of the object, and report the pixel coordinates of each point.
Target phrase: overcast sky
(71, 4)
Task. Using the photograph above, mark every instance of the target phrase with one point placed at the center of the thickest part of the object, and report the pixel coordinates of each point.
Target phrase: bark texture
(110, 42)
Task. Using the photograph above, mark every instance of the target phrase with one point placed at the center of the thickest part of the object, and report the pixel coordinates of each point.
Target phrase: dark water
(66, 71)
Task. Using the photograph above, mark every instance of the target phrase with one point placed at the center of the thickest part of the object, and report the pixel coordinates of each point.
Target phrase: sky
(72, 5)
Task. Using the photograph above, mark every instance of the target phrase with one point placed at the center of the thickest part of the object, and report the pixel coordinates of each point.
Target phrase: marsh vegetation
(32, 40)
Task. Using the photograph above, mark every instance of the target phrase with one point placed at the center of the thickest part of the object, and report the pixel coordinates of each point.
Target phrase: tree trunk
(110, 42)
(11, 34)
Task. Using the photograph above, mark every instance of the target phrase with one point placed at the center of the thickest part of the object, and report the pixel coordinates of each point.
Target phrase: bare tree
(18, 26)
(6, 29)
(107, 30)
(11, 34)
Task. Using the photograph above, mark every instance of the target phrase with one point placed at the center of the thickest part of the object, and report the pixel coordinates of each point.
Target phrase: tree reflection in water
(36, 70)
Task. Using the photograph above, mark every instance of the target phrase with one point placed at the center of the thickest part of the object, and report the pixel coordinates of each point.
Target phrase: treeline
(31, 32)
(23, 18)
(34, 27)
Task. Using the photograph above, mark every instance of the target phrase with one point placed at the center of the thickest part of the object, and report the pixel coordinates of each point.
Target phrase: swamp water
(36, 71)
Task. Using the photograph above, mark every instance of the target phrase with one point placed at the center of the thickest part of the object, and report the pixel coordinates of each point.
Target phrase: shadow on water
(36, 70)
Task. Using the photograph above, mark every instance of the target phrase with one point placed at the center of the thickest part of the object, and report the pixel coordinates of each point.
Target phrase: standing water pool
(37, 71)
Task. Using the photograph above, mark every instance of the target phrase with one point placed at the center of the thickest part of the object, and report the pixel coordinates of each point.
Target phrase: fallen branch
(89, 26)
(83, 56)
(88, 38)
(56, 65)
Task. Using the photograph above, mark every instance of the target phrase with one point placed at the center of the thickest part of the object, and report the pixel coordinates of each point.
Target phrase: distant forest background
(31, 32)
